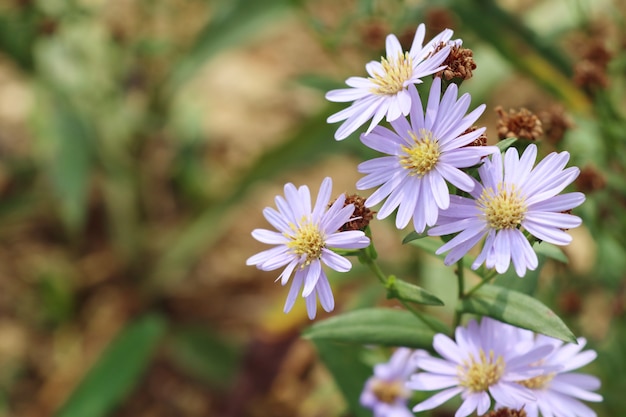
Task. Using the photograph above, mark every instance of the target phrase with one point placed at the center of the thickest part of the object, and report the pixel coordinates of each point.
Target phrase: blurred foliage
(113, 197)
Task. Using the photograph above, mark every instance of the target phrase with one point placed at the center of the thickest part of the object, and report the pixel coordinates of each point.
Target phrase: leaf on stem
(378, 326)
(405, 291)
(516, 309)
(504, 144)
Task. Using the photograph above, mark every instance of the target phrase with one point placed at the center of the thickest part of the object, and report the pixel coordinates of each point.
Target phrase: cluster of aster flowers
(437, 173)
(487, 362)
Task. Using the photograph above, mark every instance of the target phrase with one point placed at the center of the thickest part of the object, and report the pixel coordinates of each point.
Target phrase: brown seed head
(506, 412)
(438, 18)
(590, 179)
(590, 76)
(555, 123)
(480, 141)
(522, 124)
(361, 216)
(460, 63)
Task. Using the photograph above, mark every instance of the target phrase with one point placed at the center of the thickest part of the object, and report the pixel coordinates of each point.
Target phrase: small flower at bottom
(558, 393)
(514, 197)
(424, 154)
(304, 240)
(482, 363)
(385, 93)
(385, 392)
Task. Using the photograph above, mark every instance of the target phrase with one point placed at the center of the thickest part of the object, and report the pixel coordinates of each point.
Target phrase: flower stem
(488, 277)
(461, 291)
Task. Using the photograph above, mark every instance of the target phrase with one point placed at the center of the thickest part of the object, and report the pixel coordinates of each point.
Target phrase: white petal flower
(482, 363)
(425, 153)
(514, 197)
(384, 92)
(303, 242)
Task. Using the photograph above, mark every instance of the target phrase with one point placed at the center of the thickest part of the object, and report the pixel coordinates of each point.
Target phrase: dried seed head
(361, 216)
(555, 123)
(506, 412)
(522, 124)
(373, 34)
(460, 63)
(438, 18)
(590, 179)
(590, 73)
(480, 141)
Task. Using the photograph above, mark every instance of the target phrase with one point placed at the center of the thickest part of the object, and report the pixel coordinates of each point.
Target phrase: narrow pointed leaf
(413, 236)
(517, 309)
(504, 144)
(117, 371)
(405, 291)
(348, 370)
(378, 326)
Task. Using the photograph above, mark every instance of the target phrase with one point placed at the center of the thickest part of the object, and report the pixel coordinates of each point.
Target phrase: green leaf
(117, 371)
(67, 141)
(201, 353)
(504, 144)
(517, 309)
(378, 326)
(348, 370)
(413, 236)
(405, 291)
(550, 251)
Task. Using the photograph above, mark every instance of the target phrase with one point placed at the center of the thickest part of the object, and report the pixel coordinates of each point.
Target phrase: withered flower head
(480, 141)
(522, 124)
(460, 63)
(555, 123)
(590, 76)
(439, 18)
(590, 71)
(590, 179)
(361, 216)
(506, 412)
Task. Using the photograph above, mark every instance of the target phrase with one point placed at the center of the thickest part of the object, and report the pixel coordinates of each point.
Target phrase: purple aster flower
(558, 393)
(424, 154)
(513, 198)
(482, 363)
(303, 242)
(384, 92)
(385, 392)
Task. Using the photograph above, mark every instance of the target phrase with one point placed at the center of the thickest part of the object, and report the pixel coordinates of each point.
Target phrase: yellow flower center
(395, 73)
(306, 240)
(389, 391)
(538, 382)
(482, 372)
(423, 155)
(504, 209)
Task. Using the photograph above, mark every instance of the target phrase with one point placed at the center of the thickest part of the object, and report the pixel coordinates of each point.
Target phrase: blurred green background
(140, 140)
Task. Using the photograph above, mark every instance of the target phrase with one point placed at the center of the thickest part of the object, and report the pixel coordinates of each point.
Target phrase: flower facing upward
(424, 154)
(385, 93)
(481, 363)
(513, 198)
(385, 393)
(559, 393)
(303, 243)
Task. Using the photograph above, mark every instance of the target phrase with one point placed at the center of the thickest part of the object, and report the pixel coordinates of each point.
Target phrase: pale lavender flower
(385, 392)
(482, 363)
(558, 393)
(513, 198)
(384, 92)
(304, 241)
(423, 155)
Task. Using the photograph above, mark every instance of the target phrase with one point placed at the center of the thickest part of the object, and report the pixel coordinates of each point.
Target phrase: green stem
(461, 291)
(488, 277)
(366, 259)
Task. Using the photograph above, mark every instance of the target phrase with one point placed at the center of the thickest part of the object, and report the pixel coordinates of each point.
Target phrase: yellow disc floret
(395, 73)
(389, 391)
(423, 155)
(478, 374)
(503, 209)
(306, 240)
